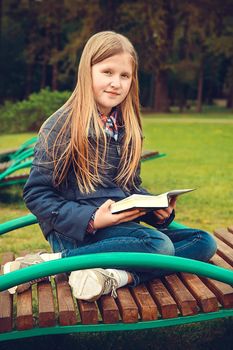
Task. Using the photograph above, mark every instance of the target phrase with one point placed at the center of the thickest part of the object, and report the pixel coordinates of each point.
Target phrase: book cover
(147, 202)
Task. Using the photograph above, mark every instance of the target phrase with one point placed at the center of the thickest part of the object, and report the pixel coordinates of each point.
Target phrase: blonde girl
(88, 157)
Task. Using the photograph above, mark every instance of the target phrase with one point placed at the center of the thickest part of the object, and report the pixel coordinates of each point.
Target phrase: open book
(146, 202)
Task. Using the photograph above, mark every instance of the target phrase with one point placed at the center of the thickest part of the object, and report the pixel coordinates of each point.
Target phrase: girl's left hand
(163, 214)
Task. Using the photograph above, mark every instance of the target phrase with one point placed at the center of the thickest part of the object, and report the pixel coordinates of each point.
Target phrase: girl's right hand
(104, 217)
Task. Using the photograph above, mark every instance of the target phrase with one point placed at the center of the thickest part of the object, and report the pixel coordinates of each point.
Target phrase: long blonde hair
(82, 116)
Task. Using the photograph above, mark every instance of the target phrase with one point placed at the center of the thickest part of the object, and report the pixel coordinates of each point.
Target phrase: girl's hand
(104, 217)
(163, 214)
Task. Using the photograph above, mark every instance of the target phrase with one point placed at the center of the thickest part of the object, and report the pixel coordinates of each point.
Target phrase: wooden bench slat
(224, 235)
(148, 154)
(127, 306)
(219, 261)
(230, 229)
(65, 302)
(225, 251)
(146, 305)
(206, 299)
(46, 304)
(184, 299)
(165, 302)
(24, 318)
(108, 308)
(223, 291)
(6, 302)
(88, 312)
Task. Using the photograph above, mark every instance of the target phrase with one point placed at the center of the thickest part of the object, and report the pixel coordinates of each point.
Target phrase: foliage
(182, 46)
(29, 114)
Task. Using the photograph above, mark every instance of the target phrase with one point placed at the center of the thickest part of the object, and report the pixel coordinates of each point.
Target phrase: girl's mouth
(112, 93)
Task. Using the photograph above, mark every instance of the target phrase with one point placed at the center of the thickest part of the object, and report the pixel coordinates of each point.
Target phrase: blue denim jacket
(65, 209)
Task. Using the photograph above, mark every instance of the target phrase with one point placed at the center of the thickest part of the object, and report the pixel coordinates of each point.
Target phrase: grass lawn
(199, 155)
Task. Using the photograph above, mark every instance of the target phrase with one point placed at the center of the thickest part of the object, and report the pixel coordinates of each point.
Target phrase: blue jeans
(133, 237)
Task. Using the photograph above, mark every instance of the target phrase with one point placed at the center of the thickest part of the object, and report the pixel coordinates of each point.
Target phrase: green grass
(208, 112)
(199, 154)
(14, 140)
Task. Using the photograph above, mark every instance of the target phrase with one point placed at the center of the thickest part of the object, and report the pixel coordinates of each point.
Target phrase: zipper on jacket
(118, 149)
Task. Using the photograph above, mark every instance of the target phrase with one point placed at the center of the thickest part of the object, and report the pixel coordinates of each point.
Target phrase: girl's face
(111, 81)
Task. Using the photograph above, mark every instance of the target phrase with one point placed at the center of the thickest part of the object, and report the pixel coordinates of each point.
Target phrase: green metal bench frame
(13, 155)
(23, 159)
(105, 260)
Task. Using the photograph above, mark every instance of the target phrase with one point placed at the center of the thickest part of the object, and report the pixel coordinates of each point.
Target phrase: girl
(87, 157)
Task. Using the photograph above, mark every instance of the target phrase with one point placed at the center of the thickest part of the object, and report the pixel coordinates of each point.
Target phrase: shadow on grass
(212, 335)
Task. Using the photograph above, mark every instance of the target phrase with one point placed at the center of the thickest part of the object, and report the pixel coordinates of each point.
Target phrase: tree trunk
(200, 90)
(28, 89)
(43, 75)
(162, 103)
(54, 77)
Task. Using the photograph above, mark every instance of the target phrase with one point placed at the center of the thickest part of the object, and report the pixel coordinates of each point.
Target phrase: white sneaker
(90, 284)
(20, 263)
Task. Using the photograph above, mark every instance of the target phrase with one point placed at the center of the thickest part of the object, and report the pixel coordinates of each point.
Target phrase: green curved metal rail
(118, 260)
(15, 167)
(30, 219)
(27, 144)
(22, 221)
(10, 155)
(101, 327)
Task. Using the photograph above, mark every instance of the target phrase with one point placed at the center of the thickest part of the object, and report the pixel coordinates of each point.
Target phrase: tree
(220, 44)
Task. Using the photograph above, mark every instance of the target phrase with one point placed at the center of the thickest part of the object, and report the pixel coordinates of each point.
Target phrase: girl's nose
(115, 83)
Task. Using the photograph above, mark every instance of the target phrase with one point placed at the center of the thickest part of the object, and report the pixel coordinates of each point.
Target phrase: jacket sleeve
(45, 202)
(149, 218)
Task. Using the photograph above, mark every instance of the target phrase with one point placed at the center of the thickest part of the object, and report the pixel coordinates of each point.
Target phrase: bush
(29, 115)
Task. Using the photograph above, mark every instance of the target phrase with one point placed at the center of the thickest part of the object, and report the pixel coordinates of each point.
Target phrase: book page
(178, 192)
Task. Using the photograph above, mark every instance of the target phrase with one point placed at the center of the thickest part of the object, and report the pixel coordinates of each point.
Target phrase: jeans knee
(212, 244)
(159, 243)
(209, 245)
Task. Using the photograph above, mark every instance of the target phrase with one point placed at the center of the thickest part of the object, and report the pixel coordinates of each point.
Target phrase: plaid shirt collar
(110, 123)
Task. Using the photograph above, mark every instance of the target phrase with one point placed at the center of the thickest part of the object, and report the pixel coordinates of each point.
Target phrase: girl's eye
(108, 72)
(125, 75)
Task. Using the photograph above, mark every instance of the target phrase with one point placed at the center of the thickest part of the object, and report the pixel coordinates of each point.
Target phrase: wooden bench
(183, 297)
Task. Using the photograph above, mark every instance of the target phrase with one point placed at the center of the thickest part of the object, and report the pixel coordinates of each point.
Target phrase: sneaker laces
(110, 285)
(25, 286)
(30, 259)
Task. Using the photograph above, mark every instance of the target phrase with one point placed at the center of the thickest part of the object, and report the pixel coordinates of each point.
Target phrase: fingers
(163, 214)
(172, 203)
(126, 214)
(131, 217)
(107, 204)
